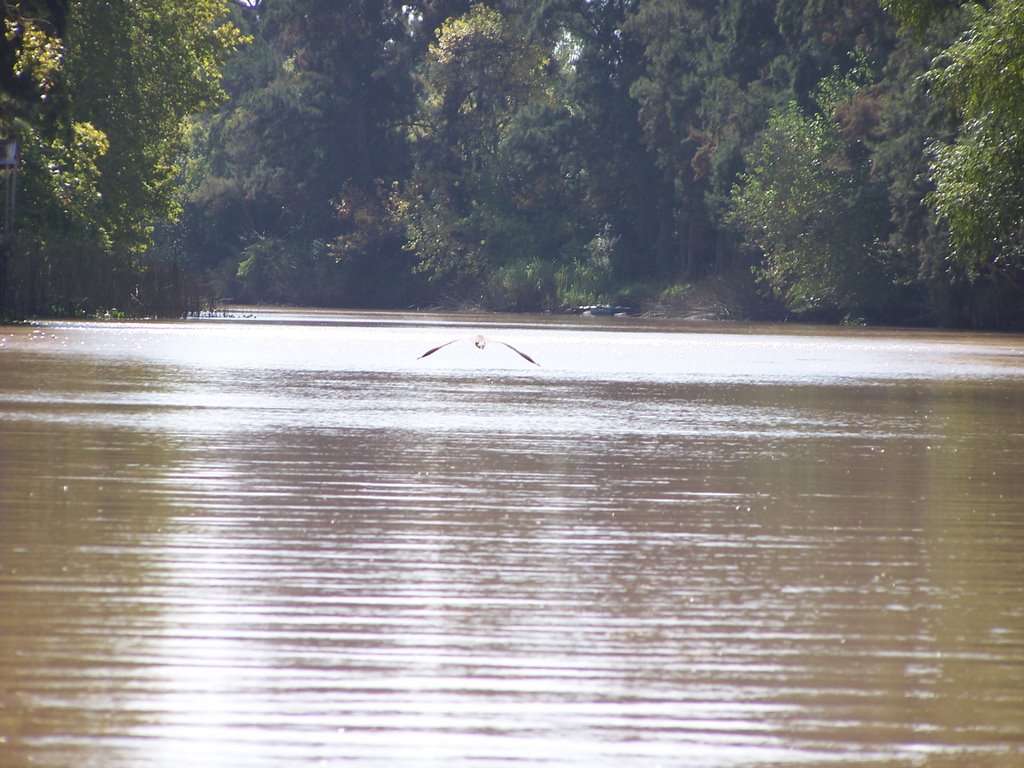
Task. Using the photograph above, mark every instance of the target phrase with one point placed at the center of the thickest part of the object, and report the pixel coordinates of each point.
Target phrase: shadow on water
(287, 542)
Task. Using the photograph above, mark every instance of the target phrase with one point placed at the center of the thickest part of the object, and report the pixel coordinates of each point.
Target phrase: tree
(714, 72)
(979, 177)
(902, 121)
(138, 69)
(313, 134)
(524, 155)
(628, 201)
(700, 104)
(807, 202)
(915, 16)
(978, 174)
(105, 88)
(31, 61)
(471, 197)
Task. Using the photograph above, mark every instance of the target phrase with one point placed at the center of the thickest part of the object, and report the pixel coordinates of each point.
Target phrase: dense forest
(830, 160)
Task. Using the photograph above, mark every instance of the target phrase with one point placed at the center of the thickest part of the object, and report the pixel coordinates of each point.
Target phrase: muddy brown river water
(280, 539)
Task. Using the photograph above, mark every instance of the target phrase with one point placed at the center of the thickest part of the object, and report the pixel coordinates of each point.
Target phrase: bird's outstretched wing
(481, 342)
(439, 346)
(518, 352)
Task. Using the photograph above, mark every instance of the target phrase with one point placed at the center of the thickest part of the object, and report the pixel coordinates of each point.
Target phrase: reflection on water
(284, 541)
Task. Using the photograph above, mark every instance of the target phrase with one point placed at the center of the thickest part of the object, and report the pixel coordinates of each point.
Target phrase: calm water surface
(282, 540)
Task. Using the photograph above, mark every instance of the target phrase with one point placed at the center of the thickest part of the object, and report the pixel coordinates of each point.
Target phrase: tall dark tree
(628, 196)
(313, 133)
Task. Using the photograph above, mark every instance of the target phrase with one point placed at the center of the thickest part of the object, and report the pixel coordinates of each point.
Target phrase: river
(281, 538)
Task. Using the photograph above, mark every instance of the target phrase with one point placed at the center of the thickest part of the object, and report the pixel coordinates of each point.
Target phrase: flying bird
(480, 342)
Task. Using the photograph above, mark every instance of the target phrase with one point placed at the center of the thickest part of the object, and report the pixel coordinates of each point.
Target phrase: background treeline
(822, 159)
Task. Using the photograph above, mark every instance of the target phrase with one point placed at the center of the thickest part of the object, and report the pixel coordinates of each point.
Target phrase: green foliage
(588, 279)
(904, 120)
(477, 73)
(803, 204)
(915, 16)
(979, 177)
(525, 285)
(305, 153)
(100, 93)
(448, 247)
(61, 178)
(137, 71)
(519, 155)
(267, 268)
(38, 55)
(487, 202)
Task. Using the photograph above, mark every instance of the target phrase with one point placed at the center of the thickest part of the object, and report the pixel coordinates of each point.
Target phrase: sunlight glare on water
(281, 539)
